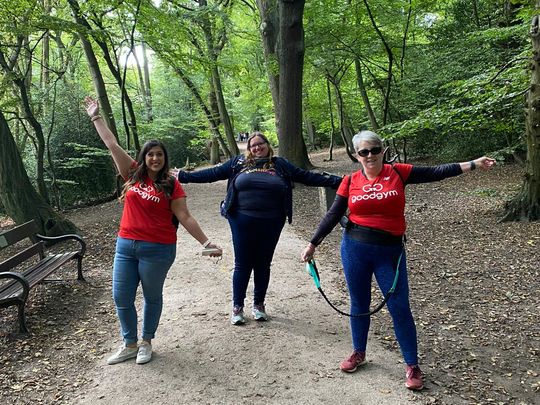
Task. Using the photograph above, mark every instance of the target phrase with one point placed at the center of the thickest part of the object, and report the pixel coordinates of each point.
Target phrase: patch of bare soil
(474, 292)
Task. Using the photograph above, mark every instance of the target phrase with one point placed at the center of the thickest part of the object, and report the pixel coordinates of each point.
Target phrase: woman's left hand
(484, 162)
(92, 106)
(218, 251)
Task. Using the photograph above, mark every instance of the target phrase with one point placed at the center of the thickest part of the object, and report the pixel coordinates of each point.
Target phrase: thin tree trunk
(212, 50)
(268, 11)
(147, 87)
(345, 133)
(390, 57)
(97, 77)
(363, 93)
(332, 125)
(213, 124)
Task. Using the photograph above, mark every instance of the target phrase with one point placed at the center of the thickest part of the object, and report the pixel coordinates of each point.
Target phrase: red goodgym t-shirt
(378, 203)
(147, 214)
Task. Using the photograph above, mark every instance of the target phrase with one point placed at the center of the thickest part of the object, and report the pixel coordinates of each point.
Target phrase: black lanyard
(311, 268)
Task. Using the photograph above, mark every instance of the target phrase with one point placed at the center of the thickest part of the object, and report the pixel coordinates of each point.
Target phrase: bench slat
(26, 230)
(35, 274)
(20, 257)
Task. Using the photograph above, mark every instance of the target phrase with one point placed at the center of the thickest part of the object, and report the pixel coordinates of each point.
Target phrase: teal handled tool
(311, 268)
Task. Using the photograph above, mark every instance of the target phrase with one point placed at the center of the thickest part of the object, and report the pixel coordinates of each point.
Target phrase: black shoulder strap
(175, 221)
(399, 174)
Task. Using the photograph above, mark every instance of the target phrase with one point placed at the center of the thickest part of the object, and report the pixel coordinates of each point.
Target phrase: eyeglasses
(365, 152)
(254, 145)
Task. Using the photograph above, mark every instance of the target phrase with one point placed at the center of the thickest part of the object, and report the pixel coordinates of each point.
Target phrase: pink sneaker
(415, 380)
(351, 363)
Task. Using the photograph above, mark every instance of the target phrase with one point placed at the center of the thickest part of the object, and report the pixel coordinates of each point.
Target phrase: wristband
(95, 117)
(205, 244)
(473, 165)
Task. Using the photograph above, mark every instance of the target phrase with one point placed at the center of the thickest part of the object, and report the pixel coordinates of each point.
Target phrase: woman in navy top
(258, 200)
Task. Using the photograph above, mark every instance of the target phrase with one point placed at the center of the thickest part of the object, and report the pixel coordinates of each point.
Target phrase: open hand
(92, 106)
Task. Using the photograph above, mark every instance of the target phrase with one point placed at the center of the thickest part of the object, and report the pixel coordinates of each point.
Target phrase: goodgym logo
(373, 192)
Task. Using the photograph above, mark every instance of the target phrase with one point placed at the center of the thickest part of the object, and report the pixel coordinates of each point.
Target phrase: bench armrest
(56, 239)
(18, 277)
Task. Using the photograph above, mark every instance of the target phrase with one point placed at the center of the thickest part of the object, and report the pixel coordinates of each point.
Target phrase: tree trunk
(20, 84)
(95, 72)
(268, 10)
(390, 57)
(363, 93)
(212, 52)
(526, 205)
(291, 64)
(20, 200)
(212, 123)
(345, 131)
(332, 125)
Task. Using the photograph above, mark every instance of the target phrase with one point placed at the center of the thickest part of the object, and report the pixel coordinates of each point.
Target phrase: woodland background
(444, 79)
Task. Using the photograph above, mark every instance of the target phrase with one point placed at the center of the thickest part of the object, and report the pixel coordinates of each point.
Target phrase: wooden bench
(28, 266)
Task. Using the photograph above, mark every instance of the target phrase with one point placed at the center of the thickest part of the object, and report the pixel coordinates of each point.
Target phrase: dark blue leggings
(254, 241)
(360, 262)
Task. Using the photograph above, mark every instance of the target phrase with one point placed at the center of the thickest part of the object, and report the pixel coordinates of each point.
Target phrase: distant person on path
(372, 242)
(258, 200)
(146, 244)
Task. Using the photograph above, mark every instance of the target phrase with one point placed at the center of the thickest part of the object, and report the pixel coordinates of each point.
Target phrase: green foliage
(83, 166)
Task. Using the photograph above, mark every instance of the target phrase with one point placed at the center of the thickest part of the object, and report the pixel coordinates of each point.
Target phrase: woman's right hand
(211, 247)
(92, 106)
(308, 253)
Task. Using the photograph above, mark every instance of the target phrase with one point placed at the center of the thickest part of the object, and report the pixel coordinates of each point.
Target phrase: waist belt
(372, 236)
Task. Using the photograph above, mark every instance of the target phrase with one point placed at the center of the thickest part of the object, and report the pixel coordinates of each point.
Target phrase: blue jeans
(148, 263)
(360, 262)
(254, 241)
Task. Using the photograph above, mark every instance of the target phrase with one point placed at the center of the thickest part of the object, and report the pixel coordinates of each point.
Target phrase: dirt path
(200, 358)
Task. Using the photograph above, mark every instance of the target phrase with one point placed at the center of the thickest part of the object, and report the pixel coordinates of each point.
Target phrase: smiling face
(370, 155)
(258, 147)
(154, 160)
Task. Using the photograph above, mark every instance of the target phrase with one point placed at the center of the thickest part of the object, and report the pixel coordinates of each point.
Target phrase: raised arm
(122, 160)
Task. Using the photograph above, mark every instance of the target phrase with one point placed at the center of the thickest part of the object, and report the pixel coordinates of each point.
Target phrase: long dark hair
(163, 182)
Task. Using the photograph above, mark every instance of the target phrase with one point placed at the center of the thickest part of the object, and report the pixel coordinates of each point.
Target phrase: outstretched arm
(122, 160)
(484, 163)
(180, 209)
(426, 174)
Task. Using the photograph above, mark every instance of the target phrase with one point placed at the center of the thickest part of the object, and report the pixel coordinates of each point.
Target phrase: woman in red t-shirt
(146, 244)
(372, 242)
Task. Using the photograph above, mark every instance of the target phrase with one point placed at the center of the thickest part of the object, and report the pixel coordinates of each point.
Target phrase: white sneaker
(123, 354)
(237, 316)
(145, 353)
(259, 313)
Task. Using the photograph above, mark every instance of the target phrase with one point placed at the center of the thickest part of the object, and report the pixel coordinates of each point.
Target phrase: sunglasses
(365, 152)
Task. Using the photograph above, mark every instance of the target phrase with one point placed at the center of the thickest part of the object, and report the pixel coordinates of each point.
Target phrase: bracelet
(205, 244)
(95, 117)
(473, 165)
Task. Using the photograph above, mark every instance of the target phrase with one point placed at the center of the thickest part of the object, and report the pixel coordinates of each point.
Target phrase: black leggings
(254, 241)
